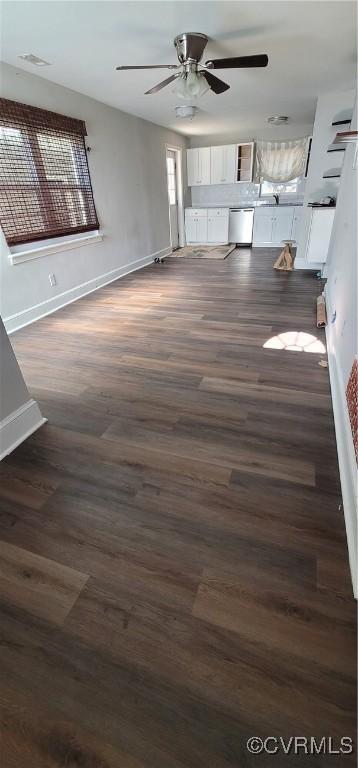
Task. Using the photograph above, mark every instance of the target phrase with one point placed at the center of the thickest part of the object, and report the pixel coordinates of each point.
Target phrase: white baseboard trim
(21, 319)
(346, 455)
(303, 264)
(18, 426)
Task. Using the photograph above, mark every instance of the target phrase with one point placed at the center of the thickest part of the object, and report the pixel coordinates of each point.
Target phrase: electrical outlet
(52, 279)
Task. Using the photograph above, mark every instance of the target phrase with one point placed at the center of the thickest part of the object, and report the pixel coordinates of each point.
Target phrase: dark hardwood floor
(174, 570)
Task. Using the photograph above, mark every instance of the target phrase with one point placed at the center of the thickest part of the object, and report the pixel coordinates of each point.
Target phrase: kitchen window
(285, 188)
(45, 185)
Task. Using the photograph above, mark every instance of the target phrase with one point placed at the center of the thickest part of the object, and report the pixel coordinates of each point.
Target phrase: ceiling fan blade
(216, 85)
(152, 66)
(236, 62)
(161, 85)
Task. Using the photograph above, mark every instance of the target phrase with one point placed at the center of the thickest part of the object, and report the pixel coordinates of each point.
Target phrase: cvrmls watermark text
(295, 745)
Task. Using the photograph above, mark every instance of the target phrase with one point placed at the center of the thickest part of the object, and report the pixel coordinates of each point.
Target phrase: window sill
(46, 250)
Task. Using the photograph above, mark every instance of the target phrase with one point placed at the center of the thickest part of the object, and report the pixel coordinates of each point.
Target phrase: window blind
(45, 185)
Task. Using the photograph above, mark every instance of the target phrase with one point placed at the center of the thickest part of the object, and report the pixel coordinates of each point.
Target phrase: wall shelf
(343, 122)
(332, 174)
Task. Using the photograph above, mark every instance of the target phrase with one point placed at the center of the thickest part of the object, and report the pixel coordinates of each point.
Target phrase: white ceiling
(311, 48)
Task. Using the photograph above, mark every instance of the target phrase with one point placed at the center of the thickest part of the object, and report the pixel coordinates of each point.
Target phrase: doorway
(174, 195)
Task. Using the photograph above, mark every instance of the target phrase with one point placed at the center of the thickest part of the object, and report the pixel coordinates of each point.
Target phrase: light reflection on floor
(296, 341)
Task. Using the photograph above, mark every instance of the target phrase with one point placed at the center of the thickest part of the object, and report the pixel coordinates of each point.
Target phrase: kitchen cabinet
(218, 225)
(272, 225)
(206, 226)
(198, 165)
(222, 164)
(226, 164)
(245, 162)
(282, 225)
(296, 224)
(196, 225)
(319, 234)
(263, 222)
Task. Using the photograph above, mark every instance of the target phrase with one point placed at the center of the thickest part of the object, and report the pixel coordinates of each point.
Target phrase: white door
(263, 221)
(218, 228)
(282, 224)
(173, 198)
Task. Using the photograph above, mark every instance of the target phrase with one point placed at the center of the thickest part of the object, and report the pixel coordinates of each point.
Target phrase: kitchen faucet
(277, 199)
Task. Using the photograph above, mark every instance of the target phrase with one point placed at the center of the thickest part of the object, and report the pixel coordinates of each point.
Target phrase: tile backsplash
(224, 194)
(232, 194)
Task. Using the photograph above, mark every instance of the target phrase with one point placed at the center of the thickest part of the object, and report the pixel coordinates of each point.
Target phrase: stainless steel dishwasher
(241, 223)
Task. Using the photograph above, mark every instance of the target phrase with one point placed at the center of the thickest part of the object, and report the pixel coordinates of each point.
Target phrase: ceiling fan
(192, 81)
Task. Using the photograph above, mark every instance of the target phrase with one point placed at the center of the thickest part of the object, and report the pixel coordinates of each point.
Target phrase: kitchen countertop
(254, 204)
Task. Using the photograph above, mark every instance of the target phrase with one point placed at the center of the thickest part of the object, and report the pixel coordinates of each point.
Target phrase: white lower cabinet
(273, 225)
(207, 226)
(296, 224)
(196, 226)
(319, 234)
(218, 228)
(282, 226)
(263, 223)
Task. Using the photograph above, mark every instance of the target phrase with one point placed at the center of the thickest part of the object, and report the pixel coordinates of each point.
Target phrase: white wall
(330, 106)
(128, 173)
(342, 296)
(13, 391)
(264, 132)
(19, 414)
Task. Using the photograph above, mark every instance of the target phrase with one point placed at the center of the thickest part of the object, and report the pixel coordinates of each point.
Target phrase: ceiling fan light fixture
(184, 112)
(278, 120)
(191, 85)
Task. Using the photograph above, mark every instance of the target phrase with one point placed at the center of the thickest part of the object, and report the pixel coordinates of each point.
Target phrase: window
(285, 188)
(45, 186)
(171, 180)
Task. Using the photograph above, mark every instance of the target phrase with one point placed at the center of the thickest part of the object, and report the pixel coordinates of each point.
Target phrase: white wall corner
(346, 454)
(19, 425)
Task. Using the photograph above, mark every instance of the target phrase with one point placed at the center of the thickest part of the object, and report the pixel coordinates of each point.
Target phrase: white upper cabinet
(198, 164)
(223, 163)
(226, 164)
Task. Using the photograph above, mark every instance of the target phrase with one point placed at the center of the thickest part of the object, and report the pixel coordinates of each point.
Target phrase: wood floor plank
(277, 620)
(41, 586)
(175, 568)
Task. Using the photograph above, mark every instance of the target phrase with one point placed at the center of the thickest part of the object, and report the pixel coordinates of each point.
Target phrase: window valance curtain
(12, 112)
(280, 161)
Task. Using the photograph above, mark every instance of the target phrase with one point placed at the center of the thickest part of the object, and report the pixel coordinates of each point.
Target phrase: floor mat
(203, 252)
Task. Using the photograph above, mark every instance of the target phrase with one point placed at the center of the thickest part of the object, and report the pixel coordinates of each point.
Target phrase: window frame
(30, 122)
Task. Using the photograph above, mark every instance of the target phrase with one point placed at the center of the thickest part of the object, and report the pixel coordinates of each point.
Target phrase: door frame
(180, 193)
